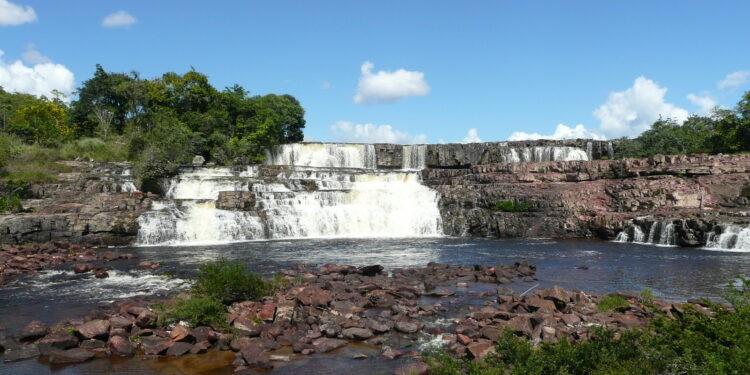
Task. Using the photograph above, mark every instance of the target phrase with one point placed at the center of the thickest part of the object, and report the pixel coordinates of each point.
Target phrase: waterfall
(327, 191)
(325, 155)
(413, 157)
(660, 233)
(730, 238)
(545, 153)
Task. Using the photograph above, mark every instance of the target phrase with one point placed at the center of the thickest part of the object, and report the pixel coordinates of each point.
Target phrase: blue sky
(499, 67)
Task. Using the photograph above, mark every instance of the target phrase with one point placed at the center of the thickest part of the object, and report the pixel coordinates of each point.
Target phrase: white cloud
(705, 103)
(734, 80)
(630, 112)
(32, 56)
(120, 18)
(325, 85)
(472, 136)
(384, 86)
(345, 131)
(36, 79)
(562, 131)
(13, 14)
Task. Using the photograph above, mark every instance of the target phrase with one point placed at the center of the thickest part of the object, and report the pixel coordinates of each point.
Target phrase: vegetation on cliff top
(157, 124)
(692, 342)
(723, 131)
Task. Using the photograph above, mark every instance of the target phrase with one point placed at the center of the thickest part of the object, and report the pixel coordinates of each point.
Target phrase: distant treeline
(158, 124)
(723, 131)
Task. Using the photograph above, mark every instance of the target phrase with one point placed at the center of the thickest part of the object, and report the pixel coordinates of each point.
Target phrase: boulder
(120, 346)
(480, 349)
(356, 333)
(520, 325)
(179, 333)
(81, 267)
(95, 329)
(200, 347)
(75, 355)
(314, 296)
(198, 161)
(58, 340)
(119, 321)
(325, 344)
(371, 270)
(179, 348)
(407, 327)
(33, 331)
(92, 344)
(146, 319)
(20, 353)
(153, 345)
(256, 356)
(416, 368)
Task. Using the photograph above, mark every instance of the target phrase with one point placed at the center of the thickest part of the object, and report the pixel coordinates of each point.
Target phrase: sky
(408, 71)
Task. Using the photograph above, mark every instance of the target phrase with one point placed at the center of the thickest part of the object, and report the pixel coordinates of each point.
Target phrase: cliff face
(592, 198)
(94, 204)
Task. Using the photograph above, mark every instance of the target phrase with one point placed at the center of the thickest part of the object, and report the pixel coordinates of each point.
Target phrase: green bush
(229, 281)
(512, 206)
(198, 311)
(10, 203)
(612, 302)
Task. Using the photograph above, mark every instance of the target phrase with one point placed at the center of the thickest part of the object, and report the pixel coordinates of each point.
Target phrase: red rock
(325, 344)
(146, 319)
(256, 356)
(491, 333)
(120, 346)
(75, 355)
(81, 267)
(33, 331)
(155, 345)
(480, 349)
(314, 296)
(98, 328)
(58, 340)
(267, 312)
(570, 319)
(539, 304)
(200, 347)
(179, 333)
(179, 348)
(520, 324)
(463, 339)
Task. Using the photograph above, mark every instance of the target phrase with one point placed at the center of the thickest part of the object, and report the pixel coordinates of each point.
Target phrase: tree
(119, 93)
(42, 121)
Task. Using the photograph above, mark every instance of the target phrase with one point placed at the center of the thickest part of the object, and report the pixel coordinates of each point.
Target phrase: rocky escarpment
(96, 203)
(593, 198)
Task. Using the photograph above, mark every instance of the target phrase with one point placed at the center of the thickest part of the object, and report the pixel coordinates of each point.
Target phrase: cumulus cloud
(36, 79)
(562, 131)
(630, 112)
(13, 14)
(734, 80)
(705, 103)
(345, 131)
(384, 86)
(120, 18)
(472, 136)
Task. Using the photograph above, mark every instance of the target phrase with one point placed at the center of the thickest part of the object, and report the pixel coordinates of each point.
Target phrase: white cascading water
(328, 190)
(732, 238)
(660, 233)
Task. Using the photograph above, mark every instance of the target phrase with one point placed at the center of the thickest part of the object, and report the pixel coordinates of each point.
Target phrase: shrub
(512, 206)
(612, 302)
(198, 311)
(10, 203)
(229, 281)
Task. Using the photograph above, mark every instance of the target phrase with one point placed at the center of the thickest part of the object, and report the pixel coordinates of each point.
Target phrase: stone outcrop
(591, 198)
(236, 200)
(95, 203)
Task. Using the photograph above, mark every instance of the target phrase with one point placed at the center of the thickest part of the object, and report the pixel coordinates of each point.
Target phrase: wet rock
(95, 329)
(463, 339)
(58, 340)
(248, 326)
(146, 319)
(33, 331)
(379, 326)
(379, 298)
(200, 347)
(179, 333)
(371, 270)
(314, 296)
(75, 355)
(325, 344)
(441, 292)
(93, 344)
(407, 327)
(179, 348)
(101, 274)
(81, 267)
(20, 353)
(119, 321)
(391, 353)
(480, 349)
(356, 333)
(204, 334)
(416, 368)
(153, 345)
(256, 356)
(120, 346)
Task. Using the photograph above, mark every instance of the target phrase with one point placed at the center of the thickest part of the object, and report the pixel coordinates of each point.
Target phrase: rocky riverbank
(398, 314)
(580, 199)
